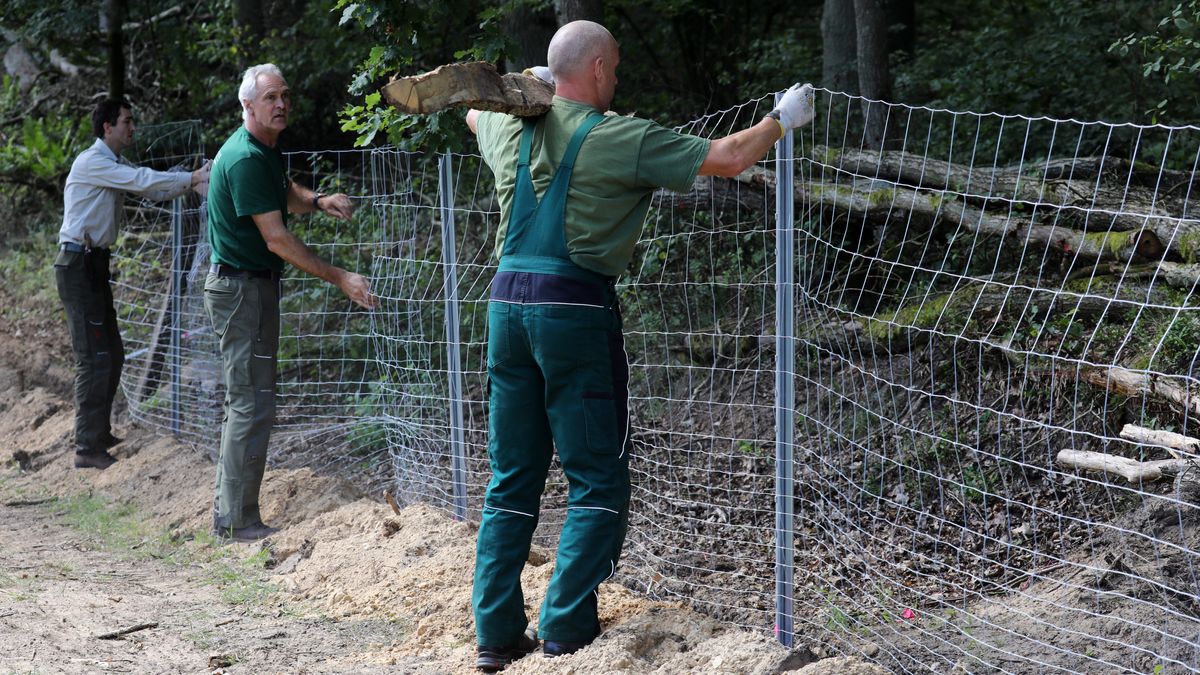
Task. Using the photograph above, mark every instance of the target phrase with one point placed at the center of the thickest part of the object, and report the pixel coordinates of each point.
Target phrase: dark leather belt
(238, 273)
(70, 247)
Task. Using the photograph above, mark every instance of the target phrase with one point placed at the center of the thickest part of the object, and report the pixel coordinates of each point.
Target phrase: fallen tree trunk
(1131, 470)
(1132, 383)
(1176, 444)
(888, 202)
(470, 85)
(1072, 191)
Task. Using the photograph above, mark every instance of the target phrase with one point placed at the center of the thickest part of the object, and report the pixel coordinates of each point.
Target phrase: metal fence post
(458, 463)
(785, 392)
(178, 275)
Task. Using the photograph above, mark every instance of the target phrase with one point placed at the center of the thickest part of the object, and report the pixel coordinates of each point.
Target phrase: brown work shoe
(251, 532)
(94, 459)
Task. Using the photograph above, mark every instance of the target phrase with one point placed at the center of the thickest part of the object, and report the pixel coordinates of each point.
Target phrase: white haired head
(249, 88)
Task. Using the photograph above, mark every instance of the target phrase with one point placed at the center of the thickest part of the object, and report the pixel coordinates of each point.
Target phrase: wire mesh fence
(994, 336)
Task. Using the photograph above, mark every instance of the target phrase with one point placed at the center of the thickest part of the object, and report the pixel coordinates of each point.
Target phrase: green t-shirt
(621, 163)
(247, 179)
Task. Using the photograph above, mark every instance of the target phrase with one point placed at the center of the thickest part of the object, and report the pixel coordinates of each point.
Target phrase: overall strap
(568, 159)
(536, 239)
(526, 141)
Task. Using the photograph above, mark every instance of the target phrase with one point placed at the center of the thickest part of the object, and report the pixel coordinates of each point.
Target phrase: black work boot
(553, 648)
(110, 441)
(492, 659)
(252, 532)
(93, 459)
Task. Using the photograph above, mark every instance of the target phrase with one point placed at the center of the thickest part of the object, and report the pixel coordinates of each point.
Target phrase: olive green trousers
(245, 317)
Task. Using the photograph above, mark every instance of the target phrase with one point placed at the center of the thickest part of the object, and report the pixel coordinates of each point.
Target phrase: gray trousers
(83, 287)
(245, 317)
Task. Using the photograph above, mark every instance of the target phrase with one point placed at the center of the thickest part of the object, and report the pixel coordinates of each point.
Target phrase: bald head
(575, 47)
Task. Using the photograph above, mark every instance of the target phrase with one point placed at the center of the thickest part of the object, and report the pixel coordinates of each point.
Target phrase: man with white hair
(249, 199)
(574, 187)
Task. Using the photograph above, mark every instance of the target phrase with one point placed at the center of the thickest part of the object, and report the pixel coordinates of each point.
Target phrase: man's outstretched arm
(737, 152)
(288, 246)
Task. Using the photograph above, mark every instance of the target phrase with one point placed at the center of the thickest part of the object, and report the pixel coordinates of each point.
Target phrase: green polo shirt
(621, 163)
(247, 179)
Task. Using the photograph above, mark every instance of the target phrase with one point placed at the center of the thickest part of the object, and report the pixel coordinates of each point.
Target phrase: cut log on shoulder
(1129, 469)
(470, 85)
(1176, 444)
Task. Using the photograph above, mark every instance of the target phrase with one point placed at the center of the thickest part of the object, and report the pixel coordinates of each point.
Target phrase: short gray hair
(575, 45)
(249, 88)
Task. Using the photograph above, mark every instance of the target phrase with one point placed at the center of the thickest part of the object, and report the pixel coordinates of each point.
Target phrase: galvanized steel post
(785, 391)
(458, 461)
(178, 275)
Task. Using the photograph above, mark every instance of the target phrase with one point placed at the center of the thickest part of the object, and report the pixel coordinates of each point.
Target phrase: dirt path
(60, 589)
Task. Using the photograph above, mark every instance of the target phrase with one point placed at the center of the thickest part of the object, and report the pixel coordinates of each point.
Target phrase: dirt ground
(347, 586)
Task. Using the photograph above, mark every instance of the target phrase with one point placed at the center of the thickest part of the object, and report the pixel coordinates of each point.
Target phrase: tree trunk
(531, 30)
(874, 79)
(576, 10)
(839, 47)
(112, 17)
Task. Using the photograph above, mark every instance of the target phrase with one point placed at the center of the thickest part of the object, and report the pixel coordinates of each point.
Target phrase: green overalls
(558, 379)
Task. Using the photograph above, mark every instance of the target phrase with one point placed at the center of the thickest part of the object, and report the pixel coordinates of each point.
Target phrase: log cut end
(469, 85)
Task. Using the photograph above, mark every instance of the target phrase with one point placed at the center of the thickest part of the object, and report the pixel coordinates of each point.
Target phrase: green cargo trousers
(83, 287)
(245, 316)
(559, 381)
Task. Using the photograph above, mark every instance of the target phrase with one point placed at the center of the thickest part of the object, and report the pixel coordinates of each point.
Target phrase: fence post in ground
(785, 391)
(178, 276)
(458, 464)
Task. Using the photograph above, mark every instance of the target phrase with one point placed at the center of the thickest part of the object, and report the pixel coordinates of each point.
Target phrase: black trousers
(83, 287)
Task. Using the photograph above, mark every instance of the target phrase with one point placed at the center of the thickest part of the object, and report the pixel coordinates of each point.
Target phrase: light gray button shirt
(92, 197)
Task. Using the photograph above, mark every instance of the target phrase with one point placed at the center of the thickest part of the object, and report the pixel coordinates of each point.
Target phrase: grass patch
(118, 527)
(241, 582)
(26, 265)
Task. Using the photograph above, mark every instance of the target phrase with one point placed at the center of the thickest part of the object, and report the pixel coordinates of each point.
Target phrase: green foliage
(413, 37)
(1043, 57)
(34, 151)
(41, 151)
(1170, 57)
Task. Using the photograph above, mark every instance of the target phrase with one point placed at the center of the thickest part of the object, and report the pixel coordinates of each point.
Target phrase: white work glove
(796, 107)
(540, 72)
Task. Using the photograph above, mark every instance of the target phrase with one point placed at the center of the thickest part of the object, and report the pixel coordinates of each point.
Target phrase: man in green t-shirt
(249, 199)
(574, 188)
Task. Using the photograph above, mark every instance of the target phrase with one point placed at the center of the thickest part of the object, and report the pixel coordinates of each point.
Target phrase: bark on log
(1179, 275)
(885, 202)
(1129, 469)
(470, 85)
(1131, 383)
(1176, 444)
(1064, 191)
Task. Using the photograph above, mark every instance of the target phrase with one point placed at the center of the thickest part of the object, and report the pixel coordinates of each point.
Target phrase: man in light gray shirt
(92, 211)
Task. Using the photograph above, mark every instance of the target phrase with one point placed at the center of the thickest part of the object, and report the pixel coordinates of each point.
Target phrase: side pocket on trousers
(600, 423)
(499, 348)
(221, 302)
